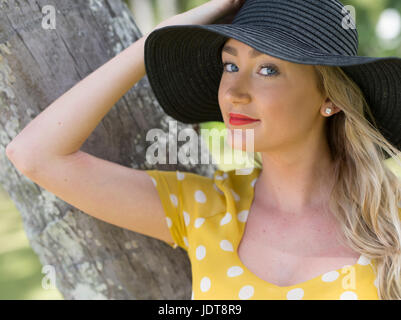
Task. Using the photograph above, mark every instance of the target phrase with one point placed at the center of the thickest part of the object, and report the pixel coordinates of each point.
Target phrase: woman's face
(282, 95)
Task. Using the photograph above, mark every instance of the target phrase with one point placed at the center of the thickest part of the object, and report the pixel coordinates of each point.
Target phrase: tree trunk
(92, 259)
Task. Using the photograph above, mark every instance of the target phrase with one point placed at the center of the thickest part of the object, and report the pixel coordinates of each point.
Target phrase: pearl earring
(328, 110)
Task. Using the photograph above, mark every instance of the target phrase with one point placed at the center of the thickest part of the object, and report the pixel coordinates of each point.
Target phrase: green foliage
(367, 17)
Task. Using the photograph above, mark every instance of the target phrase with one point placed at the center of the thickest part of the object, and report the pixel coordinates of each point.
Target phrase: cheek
(223, 87)
(285, 114)
(220, 100)
(277, 108)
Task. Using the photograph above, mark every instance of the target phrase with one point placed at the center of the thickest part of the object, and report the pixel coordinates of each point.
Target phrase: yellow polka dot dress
(207, 217)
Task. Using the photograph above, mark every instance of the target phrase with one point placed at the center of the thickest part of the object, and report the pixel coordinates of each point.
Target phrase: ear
(329, 108)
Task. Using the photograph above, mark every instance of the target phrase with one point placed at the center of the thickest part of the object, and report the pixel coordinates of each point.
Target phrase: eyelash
(265, 66)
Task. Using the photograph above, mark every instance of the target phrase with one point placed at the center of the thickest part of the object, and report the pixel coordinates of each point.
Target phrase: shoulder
(234, 176)
(237, 186)
(207, 197)
(238, 179)
(175, 178)
(201, 193)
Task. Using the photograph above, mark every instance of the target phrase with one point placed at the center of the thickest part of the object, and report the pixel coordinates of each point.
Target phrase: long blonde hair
(366, 195)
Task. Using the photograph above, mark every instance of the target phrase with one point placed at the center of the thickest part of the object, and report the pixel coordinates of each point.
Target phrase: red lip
(241, 117)
(241, 121)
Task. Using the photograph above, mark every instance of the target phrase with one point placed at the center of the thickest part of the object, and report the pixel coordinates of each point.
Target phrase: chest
(288, 251)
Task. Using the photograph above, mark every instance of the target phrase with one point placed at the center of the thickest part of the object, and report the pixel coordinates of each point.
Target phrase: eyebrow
(252, 54)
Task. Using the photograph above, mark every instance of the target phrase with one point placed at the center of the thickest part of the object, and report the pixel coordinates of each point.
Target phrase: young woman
(319, 220)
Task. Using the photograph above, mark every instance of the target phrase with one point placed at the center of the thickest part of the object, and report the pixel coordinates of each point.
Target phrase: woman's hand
(230, 9)
(211, 12)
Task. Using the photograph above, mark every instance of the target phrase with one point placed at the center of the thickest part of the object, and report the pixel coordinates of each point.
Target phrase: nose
(237, 95)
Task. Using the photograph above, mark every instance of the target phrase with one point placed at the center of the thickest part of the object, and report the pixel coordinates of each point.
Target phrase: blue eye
(269, 67)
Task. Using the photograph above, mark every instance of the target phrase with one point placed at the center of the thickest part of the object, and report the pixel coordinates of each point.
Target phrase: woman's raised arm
(62, 128)
(47, 150)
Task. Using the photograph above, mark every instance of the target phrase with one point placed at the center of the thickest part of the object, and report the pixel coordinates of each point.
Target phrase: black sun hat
(184, 67)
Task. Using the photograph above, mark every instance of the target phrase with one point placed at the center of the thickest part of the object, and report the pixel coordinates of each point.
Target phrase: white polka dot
(200, 196)
(364, 261)
(180, 175)
(186, 218)
(246, 292)
(205, 284)
(169, 222)
(186, 241)
(174, 199)
(192, 296)
(253, 182)
(221, 177)
(154, 181)
(226, 245)
(348, 295)
(217, 189)
(295, 294)
(330, 276)
(200, 252)
(199, 222)
(242, 216)
(226, 219)
(376, 282)
(236, 196)
(234, 271)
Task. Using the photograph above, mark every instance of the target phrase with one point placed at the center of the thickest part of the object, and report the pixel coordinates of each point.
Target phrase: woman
(318, 221)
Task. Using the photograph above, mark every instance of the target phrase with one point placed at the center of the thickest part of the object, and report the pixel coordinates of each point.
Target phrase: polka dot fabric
(207, 218)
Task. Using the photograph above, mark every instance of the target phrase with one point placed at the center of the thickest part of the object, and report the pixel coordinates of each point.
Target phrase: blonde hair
(366, 194)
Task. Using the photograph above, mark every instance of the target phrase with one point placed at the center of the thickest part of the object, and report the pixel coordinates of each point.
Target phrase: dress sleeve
(170, 189)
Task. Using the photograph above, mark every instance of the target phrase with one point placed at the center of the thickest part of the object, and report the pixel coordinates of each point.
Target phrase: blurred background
(379, 27)
(378, 21)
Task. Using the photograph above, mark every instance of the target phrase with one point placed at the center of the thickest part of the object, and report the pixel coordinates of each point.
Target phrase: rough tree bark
(92, 259)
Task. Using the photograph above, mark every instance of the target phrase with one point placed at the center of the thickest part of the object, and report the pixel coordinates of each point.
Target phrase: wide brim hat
(183, 62)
